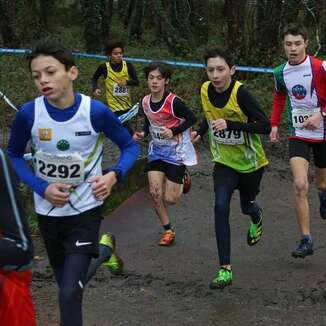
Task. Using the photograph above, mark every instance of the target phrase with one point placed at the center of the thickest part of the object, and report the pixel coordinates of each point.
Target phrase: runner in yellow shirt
(118, 75)
(233, 119)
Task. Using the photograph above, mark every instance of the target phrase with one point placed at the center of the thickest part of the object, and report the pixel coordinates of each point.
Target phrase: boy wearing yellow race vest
(118, 76)
(233, 120)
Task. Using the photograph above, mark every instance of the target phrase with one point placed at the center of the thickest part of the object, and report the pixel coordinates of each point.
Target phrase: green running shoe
(114, 263)
(255, 232)
(223, 278)
(108, 239)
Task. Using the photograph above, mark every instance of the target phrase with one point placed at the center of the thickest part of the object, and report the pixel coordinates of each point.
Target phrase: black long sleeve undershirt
(117, 67)
(257, 123)
(180, 110)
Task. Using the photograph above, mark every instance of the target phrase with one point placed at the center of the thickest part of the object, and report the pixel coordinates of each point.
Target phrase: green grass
(17, 84)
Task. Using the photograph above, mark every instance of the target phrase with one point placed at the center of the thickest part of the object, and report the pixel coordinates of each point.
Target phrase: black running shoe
(305, 248)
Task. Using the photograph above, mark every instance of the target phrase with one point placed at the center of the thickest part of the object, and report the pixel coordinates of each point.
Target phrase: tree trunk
(181, 21)
(268, 24)
(107, 11)
(129, 6)
(290, 11)
(136, 19)
(164, 24)
(320, 12)
(46, 7)
(92, 13)
(234, 11)
(199, 20)
(8, 23)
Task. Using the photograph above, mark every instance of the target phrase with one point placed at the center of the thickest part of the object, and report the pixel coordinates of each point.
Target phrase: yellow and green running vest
(241, 151)
(118, 97)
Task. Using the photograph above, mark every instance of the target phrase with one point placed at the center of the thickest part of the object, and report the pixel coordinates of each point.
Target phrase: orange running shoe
(167, 238)
(186, 182)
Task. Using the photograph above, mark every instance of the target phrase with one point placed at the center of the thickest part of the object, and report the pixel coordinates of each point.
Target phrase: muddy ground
(169, 286)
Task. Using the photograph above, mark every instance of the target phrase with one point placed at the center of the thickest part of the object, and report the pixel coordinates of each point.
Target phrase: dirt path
(169, 286)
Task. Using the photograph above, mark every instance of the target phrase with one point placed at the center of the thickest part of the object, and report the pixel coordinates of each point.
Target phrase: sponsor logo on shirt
(307, 75)
(299, 92)
(82, 133)
(79, 244)
(45, 134)
(63, 145)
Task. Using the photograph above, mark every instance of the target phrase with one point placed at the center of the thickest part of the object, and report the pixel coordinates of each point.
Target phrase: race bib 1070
(300, 115)
(55, 168)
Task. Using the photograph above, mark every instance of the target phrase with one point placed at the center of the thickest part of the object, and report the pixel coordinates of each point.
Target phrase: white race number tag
(120, 90)
(56, 168)
(157, 137)
(300, 115)
(228, 137)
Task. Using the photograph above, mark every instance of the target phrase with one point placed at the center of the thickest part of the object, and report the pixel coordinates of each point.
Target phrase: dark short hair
(217, 52)
(295, 29)
(51, 47)
(161, 67)
(112, 44)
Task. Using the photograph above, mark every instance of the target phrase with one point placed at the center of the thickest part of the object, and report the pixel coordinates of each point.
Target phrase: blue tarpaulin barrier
(186, 64)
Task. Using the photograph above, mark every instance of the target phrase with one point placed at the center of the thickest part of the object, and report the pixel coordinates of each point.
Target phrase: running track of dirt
(169, 286)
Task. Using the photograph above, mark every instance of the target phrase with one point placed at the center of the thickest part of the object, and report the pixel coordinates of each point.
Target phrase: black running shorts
(174, 173)
(301, 148)
(71, 234)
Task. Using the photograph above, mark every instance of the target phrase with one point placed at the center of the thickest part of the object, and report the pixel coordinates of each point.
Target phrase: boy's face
(156, 82)
(295, 48)
(219, 73)
(116, 55)
(52, 79)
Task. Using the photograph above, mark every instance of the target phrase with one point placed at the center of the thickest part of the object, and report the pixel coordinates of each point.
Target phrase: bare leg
(173, 192)
(320, 175)
(299, 167)
(156, 181)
